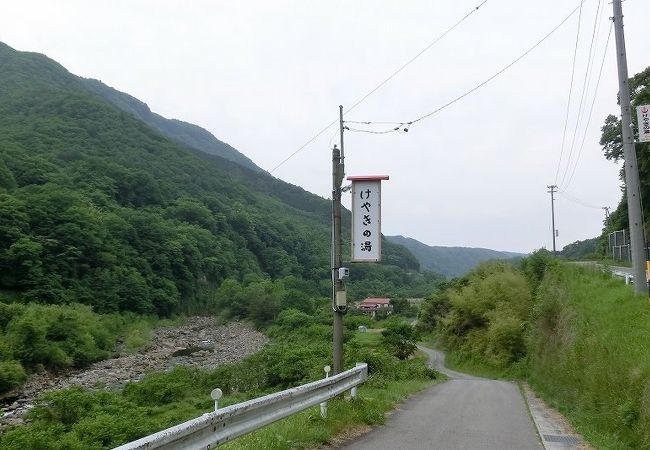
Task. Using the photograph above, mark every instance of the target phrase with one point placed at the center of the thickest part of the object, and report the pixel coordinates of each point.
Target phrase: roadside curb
(553, 429)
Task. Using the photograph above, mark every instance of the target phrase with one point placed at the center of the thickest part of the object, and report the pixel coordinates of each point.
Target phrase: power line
(380, 85)
(568, 106)
(483, 83)
(303, 146)
(576, 200)
(585, 85)
(392, 130)
(591, 109)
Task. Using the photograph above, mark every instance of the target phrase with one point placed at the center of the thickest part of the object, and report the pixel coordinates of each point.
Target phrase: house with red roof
(374, 306)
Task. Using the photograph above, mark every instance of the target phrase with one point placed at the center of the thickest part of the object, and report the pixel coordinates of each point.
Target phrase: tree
(612, 142)
(401, 338)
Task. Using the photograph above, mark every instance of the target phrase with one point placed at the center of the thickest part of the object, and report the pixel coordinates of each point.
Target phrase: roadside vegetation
(37, 338)
(299, 349)
(576, 334)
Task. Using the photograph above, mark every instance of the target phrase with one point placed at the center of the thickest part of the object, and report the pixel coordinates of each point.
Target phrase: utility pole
(637, 244)
(553, 189)
(339, 300)
(606, 208)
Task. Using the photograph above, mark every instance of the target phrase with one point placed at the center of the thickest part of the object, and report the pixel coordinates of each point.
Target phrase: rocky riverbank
(197, 343)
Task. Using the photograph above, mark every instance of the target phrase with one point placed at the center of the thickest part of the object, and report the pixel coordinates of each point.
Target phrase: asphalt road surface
(465, 412)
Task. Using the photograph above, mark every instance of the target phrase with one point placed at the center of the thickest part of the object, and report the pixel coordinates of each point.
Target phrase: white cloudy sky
(265, 76)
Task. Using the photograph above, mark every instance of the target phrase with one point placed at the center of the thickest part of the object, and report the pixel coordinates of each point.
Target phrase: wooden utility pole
(552, 191)
(339, 300)
(637, 244)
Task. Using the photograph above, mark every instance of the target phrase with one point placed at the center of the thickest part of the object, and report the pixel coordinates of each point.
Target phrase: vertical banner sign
(366, 218)
(643, 114)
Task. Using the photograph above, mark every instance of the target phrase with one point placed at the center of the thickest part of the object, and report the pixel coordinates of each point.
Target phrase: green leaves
(485, 318)
(401, 337)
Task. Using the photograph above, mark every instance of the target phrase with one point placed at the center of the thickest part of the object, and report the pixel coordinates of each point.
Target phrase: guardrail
(629, 278)
(218, 427)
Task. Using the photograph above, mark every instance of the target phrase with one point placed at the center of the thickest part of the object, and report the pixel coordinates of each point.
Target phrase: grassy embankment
(582, 343)
(300, 347)
(589, 355)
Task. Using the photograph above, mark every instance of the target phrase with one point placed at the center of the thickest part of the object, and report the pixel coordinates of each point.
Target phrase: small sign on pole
(643, 115)
(366, 218)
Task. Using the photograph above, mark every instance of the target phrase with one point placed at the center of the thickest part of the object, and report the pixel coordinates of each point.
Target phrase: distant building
(376, 306)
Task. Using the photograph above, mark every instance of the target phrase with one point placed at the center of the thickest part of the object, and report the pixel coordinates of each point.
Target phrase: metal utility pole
(339, 300)
(553, 190)
(637, 244)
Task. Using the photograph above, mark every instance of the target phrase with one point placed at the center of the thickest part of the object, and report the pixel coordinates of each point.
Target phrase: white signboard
(366, 219)
(643, 114)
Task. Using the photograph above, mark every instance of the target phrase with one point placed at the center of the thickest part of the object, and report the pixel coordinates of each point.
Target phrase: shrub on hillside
(488, 317)
(12, 374)
(401, 338)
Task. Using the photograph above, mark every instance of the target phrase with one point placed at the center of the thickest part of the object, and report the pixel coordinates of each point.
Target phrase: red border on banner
(367, 178)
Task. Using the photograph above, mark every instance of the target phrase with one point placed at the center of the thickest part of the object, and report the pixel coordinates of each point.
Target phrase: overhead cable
(483, 83)
(585, 86)
(568, 105)
(576, 200)
(591, 109)
(495, 75)
(380, 85)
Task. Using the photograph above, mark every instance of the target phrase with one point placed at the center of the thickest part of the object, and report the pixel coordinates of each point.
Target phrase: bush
(12, 374)
(401, 338)
(488, 316)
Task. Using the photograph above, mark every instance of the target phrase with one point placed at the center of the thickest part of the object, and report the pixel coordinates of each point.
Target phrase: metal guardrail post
(353, 391)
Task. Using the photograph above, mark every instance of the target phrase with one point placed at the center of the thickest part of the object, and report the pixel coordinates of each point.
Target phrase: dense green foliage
(81, 419)
(483, 318)
(401, 338)
(98, 208)
(588, 248)
(450, 261)
(110, 214)
(177, 130)
(34, 337)
(578, 335)
(612, 142)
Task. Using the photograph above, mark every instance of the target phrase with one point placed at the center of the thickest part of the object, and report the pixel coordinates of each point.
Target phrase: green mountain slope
(177, 130)
(582, 249)
(100, 208)
(450, 261)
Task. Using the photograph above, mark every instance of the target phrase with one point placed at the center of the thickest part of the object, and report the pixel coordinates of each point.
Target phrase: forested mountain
(581, 249)
(177, 130)
(450, 261)
(100, 208)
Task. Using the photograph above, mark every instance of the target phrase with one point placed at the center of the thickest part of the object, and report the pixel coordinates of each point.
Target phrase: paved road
(465, 412)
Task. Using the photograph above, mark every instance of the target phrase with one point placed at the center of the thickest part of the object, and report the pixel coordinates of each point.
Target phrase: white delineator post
(323, 406)
(216, 394)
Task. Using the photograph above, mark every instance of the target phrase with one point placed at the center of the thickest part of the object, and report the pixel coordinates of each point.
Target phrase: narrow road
(465, 412)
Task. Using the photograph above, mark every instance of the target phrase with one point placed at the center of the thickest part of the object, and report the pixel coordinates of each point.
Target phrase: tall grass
(589, 355)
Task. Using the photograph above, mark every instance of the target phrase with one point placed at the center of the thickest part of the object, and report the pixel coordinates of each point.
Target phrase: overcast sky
(266, 76)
